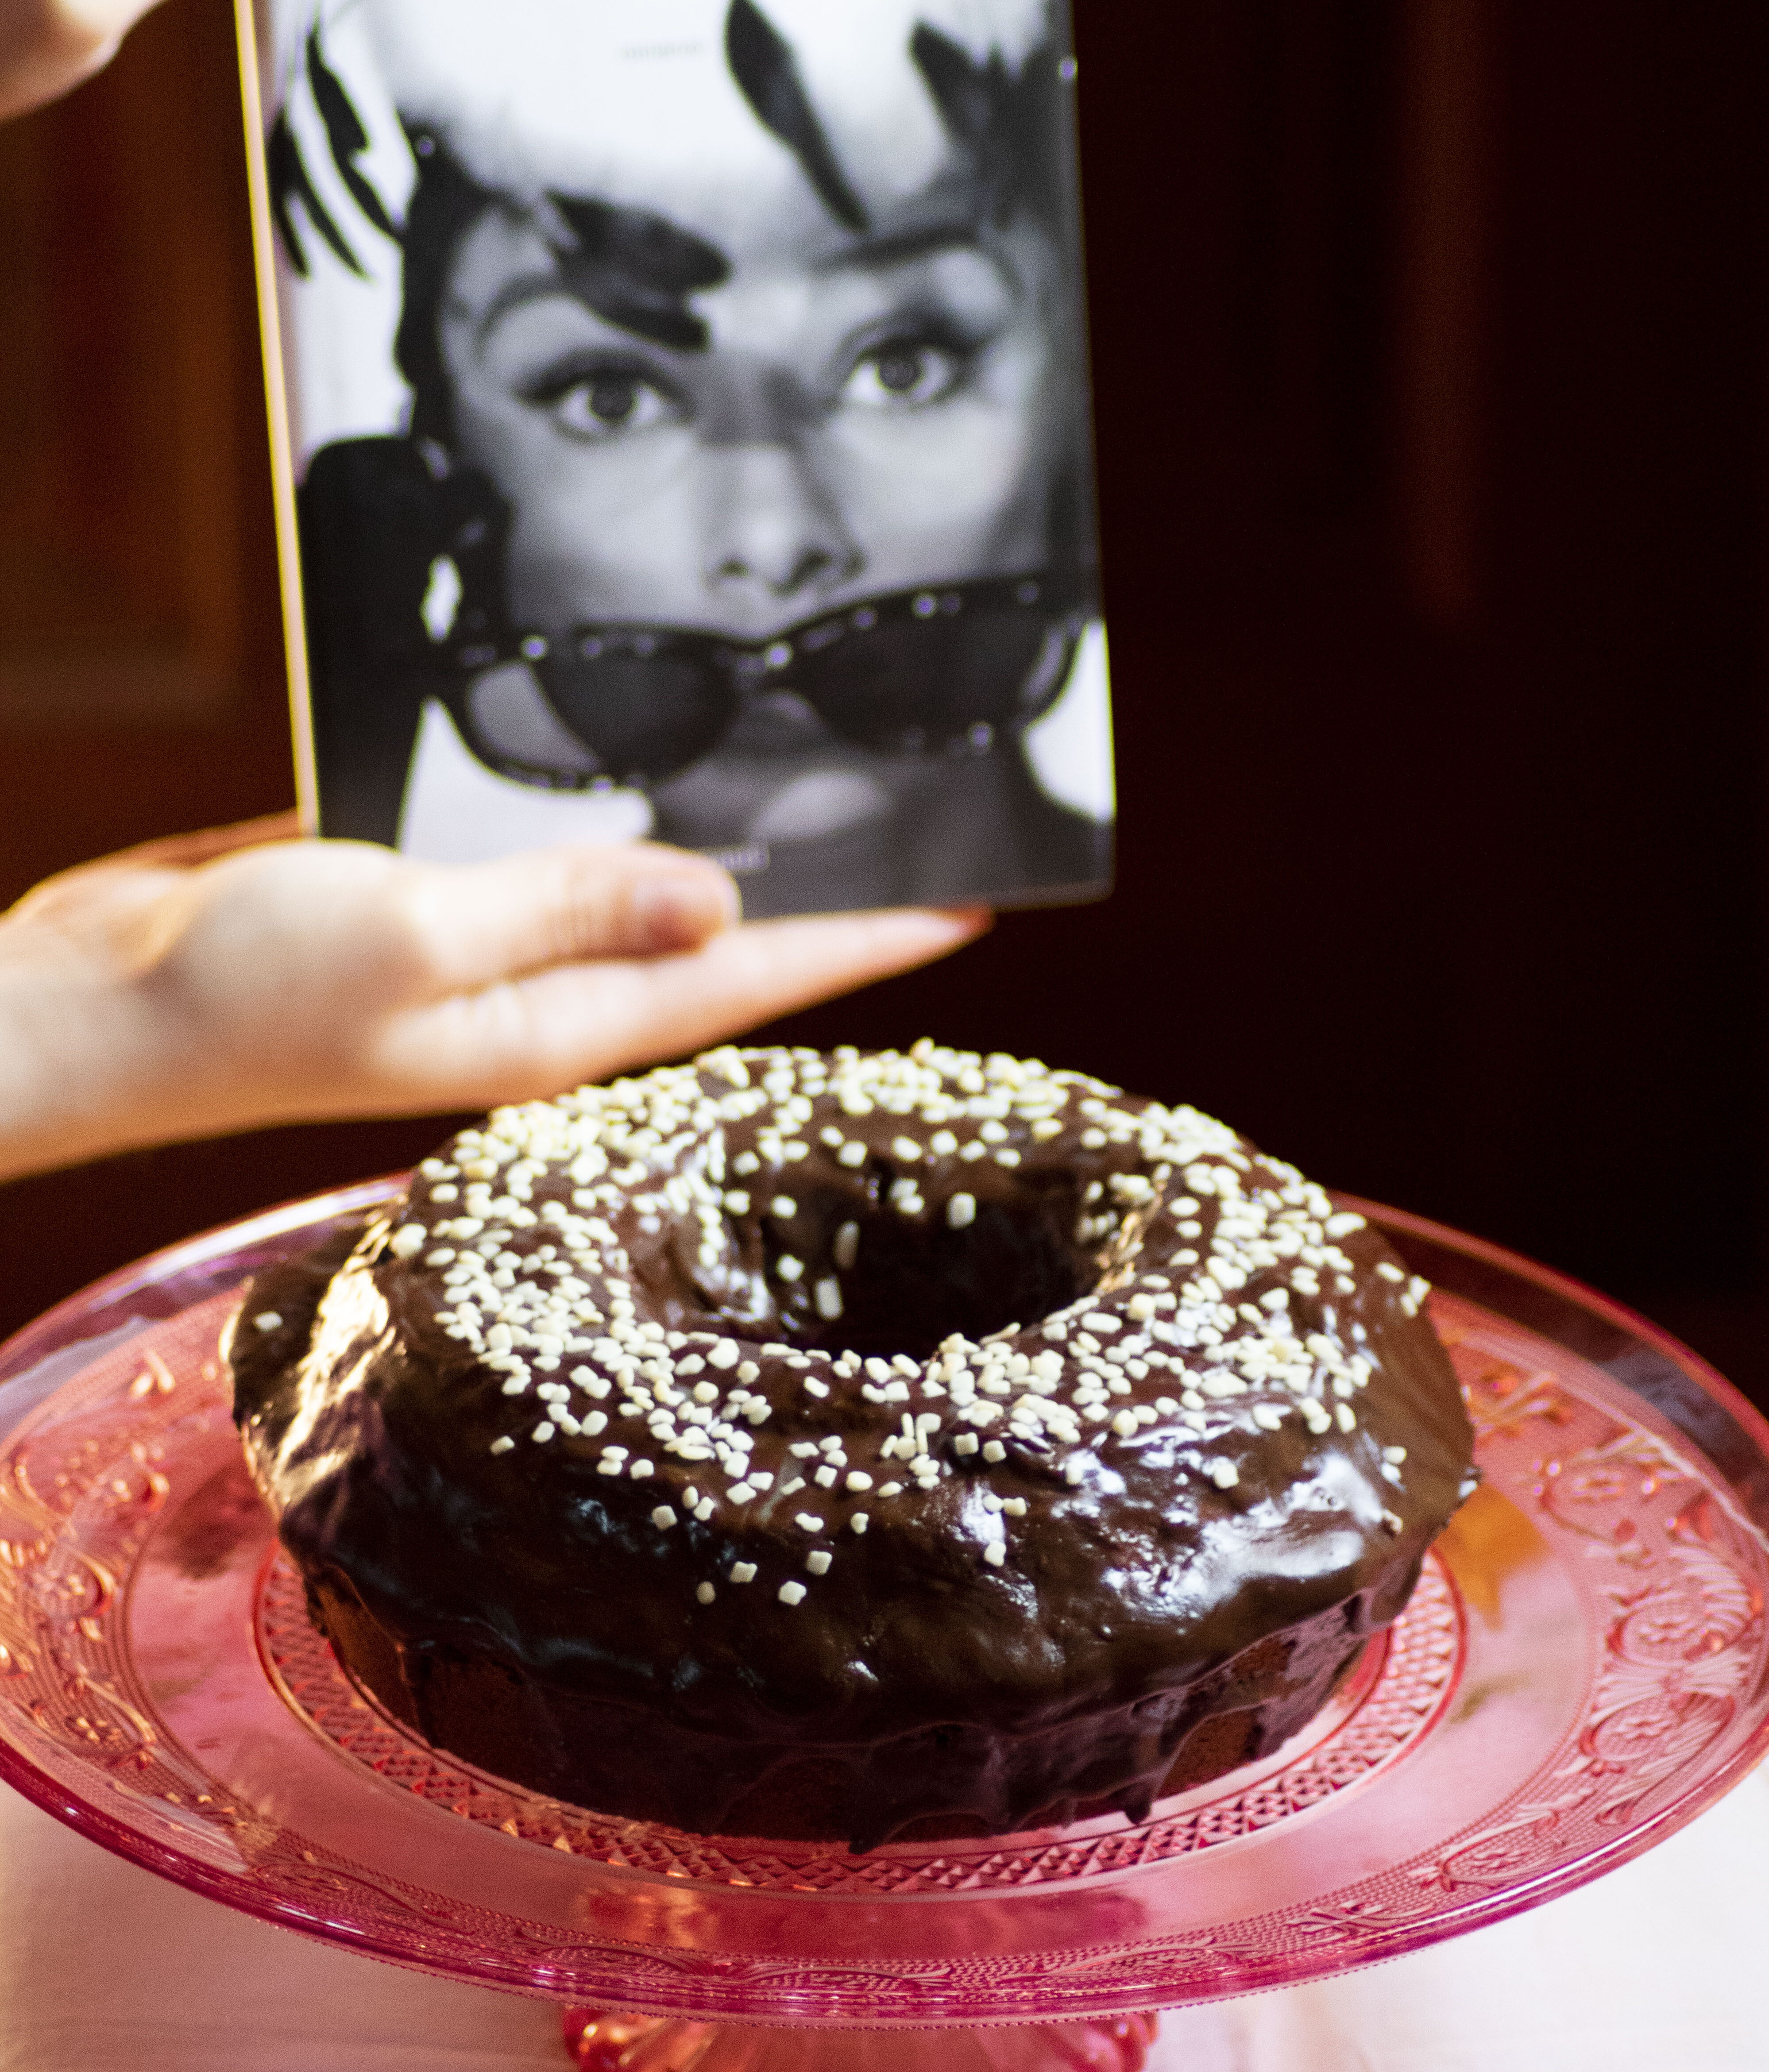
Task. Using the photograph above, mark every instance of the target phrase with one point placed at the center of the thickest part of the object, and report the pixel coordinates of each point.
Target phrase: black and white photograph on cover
(690, 407)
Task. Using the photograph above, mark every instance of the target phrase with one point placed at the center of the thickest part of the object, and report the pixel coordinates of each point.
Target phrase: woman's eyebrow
(897, 248)
(514, 294)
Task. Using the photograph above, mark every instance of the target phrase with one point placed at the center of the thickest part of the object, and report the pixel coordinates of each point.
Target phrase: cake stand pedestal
(1583, 1669)
(641, 2043)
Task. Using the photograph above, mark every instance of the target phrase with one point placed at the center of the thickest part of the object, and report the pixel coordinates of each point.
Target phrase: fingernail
(677, 908)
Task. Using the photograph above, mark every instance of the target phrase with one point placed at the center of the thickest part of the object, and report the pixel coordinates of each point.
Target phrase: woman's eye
(904, 373)
(601, 405)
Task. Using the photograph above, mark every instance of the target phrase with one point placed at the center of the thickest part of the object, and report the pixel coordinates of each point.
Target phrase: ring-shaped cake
(853, 1445)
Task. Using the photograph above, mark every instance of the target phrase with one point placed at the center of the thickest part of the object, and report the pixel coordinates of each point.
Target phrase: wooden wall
(1429, 346)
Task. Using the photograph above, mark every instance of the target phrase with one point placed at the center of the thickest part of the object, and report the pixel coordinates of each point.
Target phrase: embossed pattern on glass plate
(1586, 1668)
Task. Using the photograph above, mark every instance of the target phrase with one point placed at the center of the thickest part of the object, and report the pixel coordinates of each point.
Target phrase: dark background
(1431, 353)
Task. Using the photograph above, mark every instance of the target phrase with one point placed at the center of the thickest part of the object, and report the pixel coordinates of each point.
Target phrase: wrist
(86, 1070)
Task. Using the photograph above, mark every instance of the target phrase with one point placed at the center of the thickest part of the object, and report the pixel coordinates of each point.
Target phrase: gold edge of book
(250, 32)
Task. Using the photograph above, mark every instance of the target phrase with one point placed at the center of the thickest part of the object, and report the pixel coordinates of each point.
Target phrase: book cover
(685, 420)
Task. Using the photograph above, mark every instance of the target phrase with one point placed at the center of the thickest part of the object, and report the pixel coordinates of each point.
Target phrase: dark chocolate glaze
(525, 1608)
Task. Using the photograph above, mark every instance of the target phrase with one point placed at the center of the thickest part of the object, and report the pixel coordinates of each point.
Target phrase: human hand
(230, 980)
(48, 46)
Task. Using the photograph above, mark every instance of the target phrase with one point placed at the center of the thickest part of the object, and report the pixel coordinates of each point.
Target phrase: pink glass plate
(1585, 1668)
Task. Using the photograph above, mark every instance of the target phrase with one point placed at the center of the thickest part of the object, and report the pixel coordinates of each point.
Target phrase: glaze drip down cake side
(852, 1446)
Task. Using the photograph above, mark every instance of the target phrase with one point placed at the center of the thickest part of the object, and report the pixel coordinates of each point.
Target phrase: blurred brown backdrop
(1429, 343)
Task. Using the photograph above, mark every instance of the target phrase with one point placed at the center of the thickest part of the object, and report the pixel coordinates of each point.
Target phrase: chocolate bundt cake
(851, 1446)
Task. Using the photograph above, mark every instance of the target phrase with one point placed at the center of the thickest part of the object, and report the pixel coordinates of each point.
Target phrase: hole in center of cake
(885, 1275)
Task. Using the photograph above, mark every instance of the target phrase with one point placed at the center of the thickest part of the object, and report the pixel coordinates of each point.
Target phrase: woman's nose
(775, 536)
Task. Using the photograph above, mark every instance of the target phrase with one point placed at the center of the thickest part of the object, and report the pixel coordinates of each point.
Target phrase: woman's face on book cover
(839, 413)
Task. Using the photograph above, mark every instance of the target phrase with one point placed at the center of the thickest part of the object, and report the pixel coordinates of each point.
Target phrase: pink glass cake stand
(1584, 1668)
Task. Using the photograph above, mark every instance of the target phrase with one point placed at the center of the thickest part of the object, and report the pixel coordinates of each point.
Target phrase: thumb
(481, 923)
(48, 46)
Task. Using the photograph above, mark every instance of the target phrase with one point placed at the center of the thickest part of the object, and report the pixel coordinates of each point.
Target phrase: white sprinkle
(905, 1148)
(851, 1155)
(1074, 1471)
(858, 1523)
(1014, 1507)
(810, 1524)
(1393, 1522)
(891, 1489)
(826, 1476)
(847, 1246)
(663, 1518)
(407, 1239)
(1389, 1272)
(742, 1572)
(858, 1480)
(1125, 1424)
(995, 1553)
(1347, 1417)
(819, 1562)
(502, 1445)
(643, 1470)
(1394, 1455)
(961, 1212)
(1224, 1474)
(994, 1451)
(706, 1594)
(268, 1320)
(542, 1433)
(828, 1297)
(788, 1267)
(792, 1593)
(783, 1207)
(740, 1493)
(722, 1355)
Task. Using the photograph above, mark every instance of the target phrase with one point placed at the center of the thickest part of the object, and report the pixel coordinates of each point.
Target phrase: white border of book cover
(687, 415)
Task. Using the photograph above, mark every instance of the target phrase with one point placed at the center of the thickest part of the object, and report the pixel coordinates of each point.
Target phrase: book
(683, 413)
